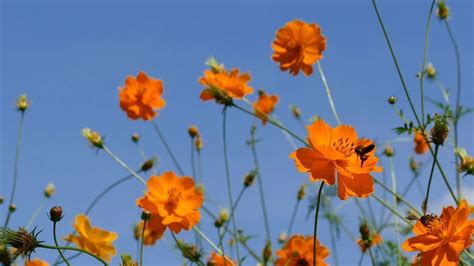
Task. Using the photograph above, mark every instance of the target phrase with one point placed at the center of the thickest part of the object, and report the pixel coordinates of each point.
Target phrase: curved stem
(142, 241)
(15, 167)
(273, 122)
(56, 243)
(293, 217)
(423, 65)
(36, 213)
(260, 186)
(328, 93)
(124, 165)
(227, 174)
(167, 147)
(458, 103)
(315, 233)
(74, 249)
(425, 201)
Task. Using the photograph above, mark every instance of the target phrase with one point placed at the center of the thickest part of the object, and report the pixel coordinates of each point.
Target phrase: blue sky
(71, 57)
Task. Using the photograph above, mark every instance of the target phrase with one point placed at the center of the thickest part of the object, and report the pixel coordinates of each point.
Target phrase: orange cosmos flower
(36, 262)
(421, 146)
(338, 150)
(154, 230)
(440, 240)
(264, 105)
(93, 239)
(297, 46)
(223, 86)
(175, 199)
(218, 260)
(299, 251)
(141, 96)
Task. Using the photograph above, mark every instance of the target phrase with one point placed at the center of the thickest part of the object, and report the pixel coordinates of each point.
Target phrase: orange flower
(219, 260)
(154, 230)
(141, 96)
(36, 262)
(175, 199)
(299, 251)
(93, 239)
(338, 150)
(421, 146)
(297, 46)
(223, 86)
(373, 240)
(440, 240)
(264, 105)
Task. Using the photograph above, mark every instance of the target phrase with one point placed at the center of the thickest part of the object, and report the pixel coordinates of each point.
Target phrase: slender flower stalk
(124, 165)
(332, 234)
(252, 145)
(458, 103)
(232, 211)
(183, 249)
(425, 201)
(167, 147)
(395, 204)
(293, 216)
(372, 258)
(35, 214)
(74, 249)
(227, 174)
(56, 243)
(142, 240)
(203, 236)
(315, 233)
(15, 167)
(386, 205)
(328, 93)
(398, 196)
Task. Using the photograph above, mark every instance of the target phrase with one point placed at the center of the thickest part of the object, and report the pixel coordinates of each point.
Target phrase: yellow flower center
(293, 46)
(174, 195)
(436, 225)
(344, 146)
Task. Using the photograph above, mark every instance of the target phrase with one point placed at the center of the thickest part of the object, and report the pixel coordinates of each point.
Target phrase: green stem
(203, 236)
(275, 123)
(328, 93)
(36, 213)
(142, 241)
(167, 147)
(423, 65)
(232, 211)
(105, 192)
(332, 234)
(386, 205)
(221, 245)
(293, 216)
(199, 166)
(395, 204)
(193, 170)
(425, 202)
(56, 243)
(124, 165)
(15, 167)
(227, 174)
(74, 249)
(183, 250)
(315, 233)
(399, 197)
(458, 103)
(260, 186)
(372, 257)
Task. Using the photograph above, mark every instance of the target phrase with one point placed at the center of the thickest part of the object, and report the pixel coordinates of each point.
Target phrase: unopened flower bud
(148, 164)
(249, 178)
(94, 138)
(443, 10)
(282, 237)
(198, 143)
(222, 219)
(430, 71)
(189, 251)
(440, 130)
(49, 190)
(364, 231)
(135, 138)
(413, 165)
(146, 215)
(22, 241)
(127, 260)
(1, 200)
(193, 131)
(301, 192)
(22, 103)
(267, 251)
(392, 100)
(467, 162)
(295, 111)
(388, 151)
(137, 230)
(12, 208)
(56, 214)
(214, 65)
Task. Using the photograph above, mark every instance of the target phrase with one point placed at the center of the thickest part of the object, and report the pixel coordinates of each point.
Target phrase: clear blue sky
(70, 57)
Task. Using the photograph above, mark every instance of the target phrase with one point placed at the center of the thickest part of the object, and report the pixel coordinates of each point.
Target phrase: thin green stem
(328, 93)
(395, 204)
(199, 166)
(236, 203)
(124, 165)
(142, 241)
(372, 257)
(458, 103)
(315, 233)
(293, 217)
(275, 123)
(183, 250)
(221, 245)
(361, 259)
(332, 234)
(227, 174)
(193, 171)
(56, 243)
(15, 167)
(425, 201)
(36, 213)
(74, 249)
(423, 65)
(399, 197)
(386, 205)
(203, 236)
(253, 141)
(167, 147)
